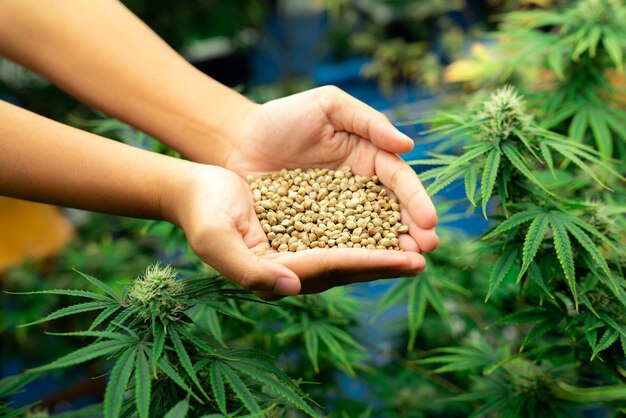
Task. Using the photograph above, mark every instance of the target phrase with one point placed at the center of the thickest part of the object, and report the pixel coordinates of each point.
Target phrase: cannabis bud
(157, 292)
(503, 116)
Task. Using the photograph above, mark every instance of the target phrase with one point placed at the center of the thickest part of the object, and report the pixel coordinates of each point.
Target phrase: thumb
(231, 256)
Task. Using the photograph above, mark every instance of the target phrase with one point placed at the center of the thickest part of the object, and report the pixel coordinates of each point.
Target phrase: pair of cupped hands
(323, 127)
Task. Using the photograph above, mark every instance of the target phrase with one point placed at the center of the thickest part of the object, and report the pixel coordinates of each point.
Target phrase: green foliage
(320, 322)
(549, 340)
(580, 44)
(160, 355)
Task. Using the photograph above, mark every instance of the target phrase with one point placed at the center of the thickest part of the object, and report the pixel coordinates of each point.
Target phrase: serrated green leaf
(578, 127)
(547, 157)
(515, 157)
(311, 343)
(391, 297)
(532, 242)
(158, 344)
(118, 382)
(241, 390)
(71, 310)
(613, 49)
(214, 326)
(103, 316)
(490, 173)
(609, 337)
(601, 133)
(217, 385)
(100, 285)
(535, 275)
(514, 221)
(587, 243)
(92, 351)
(98, 334)
(416, 310)
(540, 329)
(336, 349)
(170, 372)
(444, 180)
(290, 393)
(565, 255)
(179, 410)
(570, 155)
(470, 184)
(184, 358)
(500, 270)
(67, 292)
(143, 384)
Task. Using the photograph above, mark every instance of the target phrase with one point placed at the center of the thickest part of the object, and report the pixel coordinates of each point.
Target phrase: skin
(118, 65)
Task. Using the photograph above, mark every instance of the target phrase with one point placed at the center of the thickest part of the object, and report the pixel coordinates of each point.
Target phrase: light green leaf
(601, 133)
(392, 296)
(514, 221)
(547, 156)
(416, 310)
(579, 125)
(612, 47)
(490, 173)
(143, 384)
(118, 382)
(534, 238)
(501, 269)
(185, 361)
(100, 285)
(514, 156)
(470, 184)
(158, 343)
(311, 342)
(565, 255)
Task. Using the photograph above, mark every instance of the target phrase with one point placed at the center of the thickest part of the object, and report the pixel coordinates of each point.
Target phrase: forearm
(46, 161)
(102, 54)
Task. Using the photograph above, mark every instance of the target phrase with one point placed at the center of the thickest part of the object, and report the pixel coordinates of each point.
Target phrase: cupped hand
(325, 127)
(216, 210)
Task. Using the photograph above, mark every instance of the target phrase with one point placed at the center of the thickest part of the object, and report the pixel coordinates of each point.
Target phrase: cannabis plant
(160, 356)
(556, 254)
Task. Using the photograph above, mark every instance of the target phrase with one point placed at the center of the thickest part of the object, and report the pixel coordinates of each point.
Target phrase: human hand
(215, 208)
(326, 127)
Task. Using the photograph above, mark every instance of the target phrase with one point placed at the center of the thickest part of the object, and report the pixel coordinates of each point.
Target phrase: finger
(408, 243)
(322, 269)
(231, 256)
(351, 115)
(394, 173)
(426, 239)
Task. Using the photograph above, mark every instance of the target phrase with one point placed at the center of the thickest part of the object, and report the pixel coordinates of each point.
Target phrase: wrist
(207, 120)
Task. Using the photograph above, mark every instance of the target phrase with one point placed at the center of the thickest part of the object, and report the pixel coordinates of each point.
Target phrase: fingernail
(287, 286)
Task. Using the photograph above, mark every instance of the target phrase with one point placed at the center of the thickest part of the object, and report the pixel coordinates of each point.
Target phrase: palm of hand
(223, 230)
